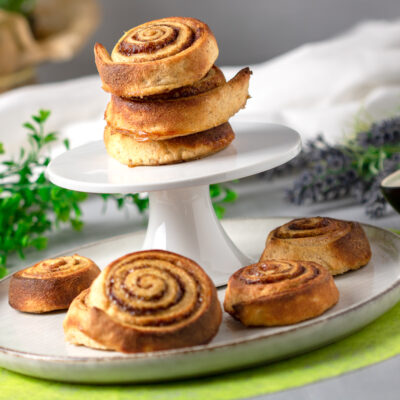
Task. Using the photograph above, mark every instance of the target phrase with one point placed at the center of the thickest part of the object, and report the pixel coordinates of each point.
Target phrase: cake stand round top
(258, 147)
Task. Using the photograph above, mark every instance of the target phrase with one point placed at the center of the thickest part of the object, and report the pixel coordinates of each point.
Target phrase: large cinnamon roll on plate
(337, 245)
(166, 118)
(279, 292)
(51, 284)
(157, 57)
(146, 301)
(125, 149)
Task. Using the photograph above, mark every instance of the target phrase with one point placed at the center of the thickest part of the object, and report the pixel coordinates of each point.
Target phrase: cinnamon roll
(125, 149)
(163, 119)
(149, 300)
(337, 245)
(51, 284)
(157, 57)
(279, 292)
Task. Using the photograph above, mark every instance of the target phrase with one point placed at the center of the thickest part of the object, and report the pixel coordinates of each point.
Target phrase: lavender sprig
(329, 174)
(353, 169)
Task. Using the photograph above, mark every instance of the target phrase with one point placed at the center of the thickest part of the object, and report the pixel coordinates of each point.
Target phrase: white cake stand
(181, 216)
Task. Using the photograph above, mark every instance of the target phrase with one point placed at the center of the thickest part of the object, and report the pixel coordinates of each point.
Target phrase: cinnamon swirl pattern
(157, 57)
(147, 301)
(279, 292)
(51, 284)
(337, 245)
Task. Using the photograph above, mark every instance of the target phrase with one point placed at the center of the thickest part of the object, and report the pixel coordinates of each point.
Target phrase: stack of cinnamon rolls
(169, 102)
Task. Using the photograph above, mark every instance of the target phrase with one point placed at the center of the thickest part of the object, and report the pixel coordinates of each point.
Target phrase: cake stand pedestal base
(184, 221)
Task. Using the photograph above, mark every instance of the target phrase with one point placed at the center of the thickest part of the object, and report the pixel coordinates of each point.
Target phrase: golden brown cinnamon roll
(125, 149)
(150, 300)
(51, 284)
(279, 292)
(163, 119)
(157, 57)
(337, 245)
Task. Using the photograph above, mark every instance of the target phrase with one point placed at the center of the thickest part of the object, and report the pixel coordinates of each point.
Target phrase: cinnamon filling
(137, 311)
(308, 227)
(146, 46)
(274, 272)
(154, 38)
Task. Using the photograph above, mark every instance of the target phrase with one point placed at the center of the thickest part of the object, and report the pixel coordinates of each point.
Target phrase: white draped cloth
(318, 87)
(325, 86)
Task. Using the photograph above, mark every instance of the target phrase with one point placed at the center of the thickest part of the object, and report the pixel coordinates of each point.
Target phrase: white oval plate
(34, 344)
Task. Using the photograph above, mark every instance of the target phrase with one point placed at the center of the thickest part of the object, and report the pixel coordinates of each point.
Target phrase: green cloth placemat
(376, 342)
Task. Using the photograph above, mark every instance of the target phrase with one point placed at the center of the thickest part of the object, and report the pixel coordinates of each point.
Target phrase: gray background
(247, 31)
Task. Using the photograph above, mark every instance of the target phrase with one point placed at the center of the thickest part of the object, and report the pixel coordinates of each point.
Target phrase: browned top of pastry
(314, 227)
(279, 277)
(157, 56)
(56, 267)
(159, 39)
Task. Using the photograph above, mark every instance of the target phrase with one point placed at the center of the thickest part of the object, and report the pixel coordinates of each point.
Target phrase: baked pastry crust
(147, 301)
(51, 284)
(164, 119)
(279, 292)
(128, 151)
(73, 322)
(337, 245)
(157, 57)
(214, 78)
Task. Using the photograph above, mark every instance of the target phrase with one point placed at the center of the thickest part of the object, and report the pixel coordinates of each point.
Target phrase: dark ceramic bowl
(390, 187)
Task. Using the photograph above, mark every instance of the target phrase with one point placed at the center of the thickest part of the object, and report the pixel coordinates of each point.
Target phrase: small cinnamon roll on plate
(279, 292)
(337, 245)
(51, 284)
